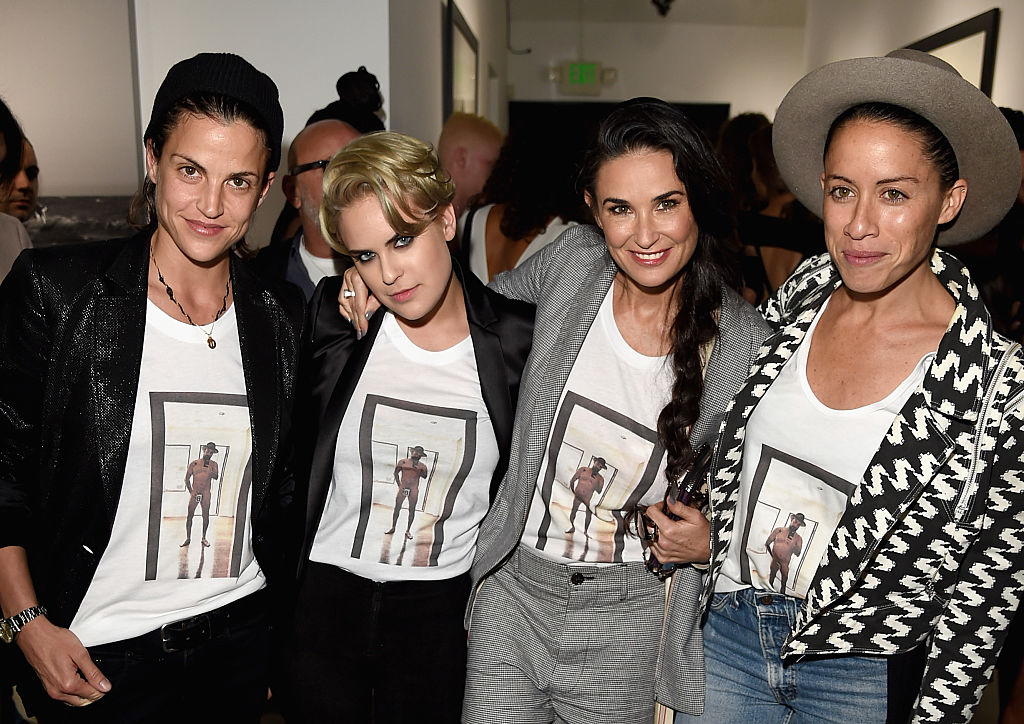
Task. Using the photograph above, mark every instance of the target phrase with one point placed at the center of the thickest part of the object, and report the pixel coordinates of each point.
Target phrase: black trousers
(222, 675)
(362, 651)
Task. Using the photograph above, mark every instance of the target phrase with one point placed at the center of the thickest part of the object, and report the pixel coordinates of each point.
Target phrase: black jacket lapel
(259, 345)
(491, 367)
(118, 332)
(341, 367)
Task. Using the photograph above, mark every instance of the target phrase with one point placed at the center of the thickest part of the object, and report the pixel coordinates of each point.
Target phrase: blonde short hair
(402, 172)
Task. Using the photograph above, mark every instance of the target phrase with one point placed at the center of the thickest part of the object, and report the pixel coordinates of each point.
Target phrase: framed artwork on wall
(461, 62)
(970, 47)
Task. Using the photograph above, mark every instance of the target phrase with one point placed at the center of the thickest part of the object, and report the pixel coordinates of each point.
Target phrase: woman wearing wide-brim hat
(884, 413)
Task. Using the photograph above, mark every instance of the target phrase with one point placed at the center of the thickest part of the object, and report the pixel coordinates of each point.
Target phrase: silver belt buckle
(185, 634)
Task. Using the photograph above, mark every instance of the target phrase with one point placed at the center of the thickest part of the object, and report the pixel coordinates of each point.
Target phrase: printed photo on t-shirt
(600, 464)
(414, 460)
(201, 475)
(793, 510)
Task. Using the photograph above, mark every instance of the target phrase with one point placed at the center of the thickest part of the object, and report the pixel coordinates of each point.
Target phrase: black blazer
(72, 322)
(333, 360)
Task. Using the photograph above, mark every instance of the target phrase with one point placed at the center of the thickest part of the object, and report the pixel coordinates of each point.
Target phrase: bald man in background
(468, 147)
(306, 258)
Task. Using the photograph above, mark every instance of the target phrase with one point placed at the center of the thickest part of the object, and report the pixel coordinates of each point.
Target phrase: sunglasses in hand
(691, 490)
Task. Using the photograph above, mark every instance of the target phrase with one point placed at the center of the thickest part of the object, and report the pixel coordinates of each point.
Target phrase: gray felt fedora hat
(985, 147)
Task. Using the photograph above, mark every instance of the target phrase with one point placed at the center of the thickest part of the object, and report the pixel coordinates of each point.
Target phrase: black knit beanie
(223, 74)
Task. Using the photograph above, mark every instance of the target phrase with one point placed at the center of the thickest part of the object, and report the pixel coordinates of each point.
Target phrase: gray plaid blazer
(568, 281)
(930, 550)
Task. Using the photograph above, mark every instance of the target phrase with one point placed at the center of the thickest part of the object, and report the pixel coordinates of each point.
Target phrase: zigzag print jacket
(930, 550)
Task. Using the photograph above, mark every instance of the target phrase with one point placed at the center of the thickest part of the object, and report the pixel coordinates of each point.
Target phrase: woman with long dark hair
(639, 345)
(527, 202)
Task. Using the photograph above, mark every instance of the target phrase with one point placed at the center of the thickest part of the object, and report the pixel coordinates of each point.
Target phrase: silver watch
(9, 627)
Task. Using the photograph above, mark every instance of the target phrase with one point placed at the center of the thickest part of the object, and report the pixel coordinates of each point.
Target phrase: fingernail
(104, 685)
(368, 315)
(359, 334)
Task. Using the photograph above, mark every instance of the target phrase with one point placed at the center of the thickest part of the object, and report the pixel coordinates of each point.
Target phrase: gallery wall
(874, 27)
(749, 68)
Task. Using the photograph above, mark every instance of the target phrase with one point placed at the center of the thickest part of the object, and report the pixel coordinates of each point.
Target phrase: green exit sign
(582, 73)
(579, 78)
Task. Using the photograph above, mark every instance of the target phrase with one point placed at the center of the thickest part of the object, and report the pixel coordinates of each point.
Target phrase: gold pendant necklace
(210, 342)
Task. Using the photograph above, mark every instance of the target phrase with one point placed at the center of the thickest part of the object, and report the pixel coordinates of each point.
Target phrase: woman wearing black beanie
(145, 388)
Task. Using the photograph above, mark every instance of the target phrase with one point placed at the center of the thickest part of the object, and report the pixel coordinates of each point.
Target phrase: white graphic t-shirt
(412, 467)
(604, 457)
(801, 462)
(318, 267)
(181, 543)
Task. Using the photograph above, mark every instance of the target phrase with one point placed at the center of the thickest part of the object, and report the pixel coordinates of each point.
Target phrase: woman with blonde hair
(406, 435)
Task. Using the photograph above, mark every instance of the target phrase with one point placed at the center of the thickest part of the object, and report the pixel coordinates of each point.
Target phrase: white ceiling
(766, 13)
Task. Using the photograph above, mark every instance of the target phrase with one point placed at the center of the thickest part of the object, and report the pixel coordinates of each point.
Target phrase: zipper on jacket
(1014, 401)
(969, 490)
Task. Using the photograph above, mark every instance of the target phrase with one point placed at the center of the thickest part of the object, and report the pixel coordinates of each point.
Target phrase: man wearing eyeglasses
(306, 258)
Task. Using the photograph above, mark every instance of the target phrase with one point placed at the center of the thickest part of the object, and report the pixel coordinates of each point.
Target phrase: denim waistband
(771, 601)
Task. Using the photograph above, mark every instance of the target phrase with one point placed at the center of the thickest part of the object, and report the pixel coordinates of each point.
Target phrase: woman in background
(527, 202)
(13, 237)
(780, 233)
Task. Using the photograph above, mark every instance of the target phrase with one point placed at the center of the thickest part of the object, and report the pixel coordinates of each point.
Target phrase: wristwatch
(9, 627)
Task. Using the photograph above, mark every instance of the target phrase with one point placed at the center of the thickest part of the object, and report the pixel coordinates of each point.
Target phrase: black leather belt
(189, 633)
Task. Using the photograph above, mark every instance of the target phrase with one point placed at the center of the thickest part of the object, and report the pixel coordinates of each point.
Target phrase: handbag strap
(466, 240)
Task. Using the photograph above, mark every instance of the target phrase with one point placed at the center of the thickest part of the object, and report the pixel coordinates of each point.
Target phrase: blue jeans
(748, 682)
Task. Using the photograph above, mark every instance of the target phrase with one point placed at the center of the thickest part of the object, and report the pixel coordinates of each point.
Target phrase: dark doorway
(567, 129)
(575, 123)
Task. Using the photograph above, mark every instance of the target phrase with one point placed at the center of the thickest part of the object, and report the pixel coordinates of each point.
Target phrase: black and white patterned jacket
(929, 550)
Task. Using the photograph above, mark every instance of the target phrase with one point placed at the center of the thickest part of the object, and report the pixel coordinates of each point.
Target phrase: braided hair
(648, 124)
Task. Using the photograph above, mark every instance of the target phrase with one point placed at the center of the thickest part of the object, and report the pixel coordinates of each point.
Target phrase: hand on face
(409, 274)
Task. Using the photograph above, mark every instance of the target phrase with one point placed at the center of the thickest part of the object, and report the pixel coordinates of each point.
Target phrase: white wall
(415, 60)
(874, 27)
(67, 76)
(749, 68)
(416, 55)
(303, 45)
(486, 18)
